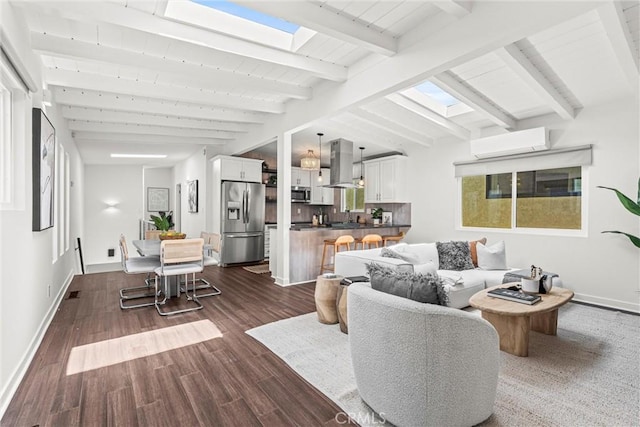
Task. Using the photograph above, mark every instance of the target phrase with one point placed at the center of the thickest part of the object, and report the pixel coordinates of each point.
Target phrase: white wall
(193, 168)
(600, 268)
(32, 281)
(122, 186)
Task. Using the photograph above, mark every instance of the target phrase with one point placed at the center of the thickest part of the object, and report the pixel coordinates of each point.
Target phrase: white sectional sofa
(421, 257)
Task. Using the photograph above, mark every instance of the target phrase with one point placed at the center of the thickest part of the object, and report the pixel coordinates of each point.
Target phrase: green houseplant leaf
(631, 206)
(635, 240)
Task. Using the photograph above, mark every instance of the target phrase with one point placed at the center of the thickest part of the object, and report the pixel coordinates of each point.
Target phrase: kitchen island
(306, 242)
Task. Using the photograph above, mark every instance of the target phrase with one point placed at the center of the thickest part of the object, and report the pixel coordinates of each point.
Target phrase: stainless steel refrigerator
(242, 222)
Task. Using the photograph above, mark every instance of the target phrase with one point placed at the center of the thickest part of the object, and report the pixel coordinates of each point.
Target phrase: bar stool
(370, 240)
(342, 241)
(392, 238)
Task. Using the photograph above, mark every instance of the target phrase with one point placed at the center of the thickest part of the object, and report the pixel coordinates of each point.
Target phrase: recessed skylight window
(437, 94)
(250, 15)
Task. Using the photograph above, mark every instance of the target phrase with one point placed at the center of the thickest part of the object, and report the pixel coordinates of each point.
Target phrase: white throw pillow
(426, 268)
(492, 257)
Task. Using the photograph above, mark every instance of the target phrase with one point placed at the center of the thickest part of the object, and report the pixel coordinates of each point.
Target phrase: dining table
(149, 247)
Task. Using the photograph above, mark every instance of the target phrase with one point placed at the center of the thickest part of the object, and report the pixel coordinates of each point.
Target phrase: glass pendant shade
(310, 161)
(361, 182)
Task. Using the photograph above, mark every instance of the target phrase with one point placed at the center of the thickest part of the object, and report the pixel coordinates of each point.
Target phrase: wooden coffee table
(514, 320)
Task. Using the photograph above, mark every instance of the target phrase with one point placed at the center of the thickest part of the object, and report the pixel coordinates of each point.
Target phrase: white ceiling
(132, 80)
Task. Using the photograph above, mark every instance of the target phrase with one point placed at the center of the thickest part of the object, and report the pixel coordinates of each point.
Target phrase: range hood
(341, 164)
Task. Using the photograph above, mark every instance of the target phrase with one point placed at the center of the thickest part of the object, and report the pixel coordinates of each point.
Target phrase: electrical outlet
(334, 210)
(298, 210)
(368, 211)
(111, 252)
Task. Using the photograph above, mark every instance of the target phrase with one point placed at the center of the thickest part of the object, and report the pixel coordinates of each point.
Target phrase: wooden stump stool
(325, 295)
(341, 307)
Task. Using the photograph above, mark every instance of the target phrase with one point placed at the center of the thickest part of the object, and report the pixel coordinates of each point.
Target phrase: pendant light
(361, 182)
(320, 159)
(310, 161)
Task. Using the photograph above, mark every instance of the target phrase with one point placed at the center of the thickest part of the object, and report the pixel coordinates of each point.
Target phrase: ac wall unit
(524, 141)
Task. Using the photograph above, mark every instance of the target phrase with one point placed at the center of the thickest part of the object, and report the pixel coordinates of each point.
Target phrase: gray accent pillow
(454, 256)
(386, 252)
(425, 288)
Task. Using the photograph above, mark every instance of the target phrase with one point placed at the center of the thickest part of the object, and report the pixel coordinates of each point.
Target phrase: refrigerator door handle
(248, 209)
(242, 235)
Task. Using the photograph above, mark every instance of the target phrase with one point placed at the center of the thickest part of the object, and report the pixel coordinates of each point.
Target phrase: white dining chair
(211, 258)
(136, 265)
(182, 257)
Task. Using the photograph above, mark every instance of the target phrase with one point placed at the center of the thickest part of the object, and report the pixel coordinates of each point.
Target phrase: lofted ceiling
(170, 77)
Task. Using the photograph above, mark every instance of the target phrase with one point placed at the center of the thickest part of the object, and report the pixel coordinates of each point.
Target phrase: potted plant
(376, 214)
(164, 222)
(631, 206)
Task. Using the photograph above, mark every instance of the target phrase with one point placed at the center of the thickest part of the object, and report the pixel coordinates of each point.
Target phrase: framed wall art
(43, 170)
(192, 192)
(157, 199)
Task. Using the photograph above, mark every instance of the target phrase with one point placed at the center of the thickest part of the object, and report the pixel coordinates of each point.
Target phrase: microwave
(300, 194)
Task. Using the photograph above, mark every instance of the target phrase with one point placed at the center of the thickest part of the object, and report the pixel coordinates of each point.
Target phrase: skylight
(437, 94)
(250, 15)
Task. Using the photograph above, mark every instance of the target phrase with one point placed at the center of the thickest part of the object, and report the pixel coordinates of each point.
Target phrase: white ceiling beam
(126, 138)
(490, 26)
(120, 15)
(110, 101)
(329, 22)
(97, 115)
(615, 25)
(442, 122)
(127, 87)
(84, 126)
(188, 73)
(518, 62)
(391, 126)
(457, 8)
(465, 93)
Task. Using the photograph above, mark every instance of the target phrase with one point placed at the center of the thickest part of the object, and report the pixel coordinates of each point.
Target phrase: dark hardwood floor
(228, 381)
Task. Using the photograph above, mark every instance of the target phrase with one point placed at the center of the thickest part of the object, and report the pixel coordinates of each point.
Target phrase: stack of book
(349, 280)
(516, 296)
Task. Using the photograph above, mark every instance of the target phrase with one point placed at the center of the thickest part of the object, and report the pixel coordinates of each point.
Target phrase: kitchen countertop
(341, 226)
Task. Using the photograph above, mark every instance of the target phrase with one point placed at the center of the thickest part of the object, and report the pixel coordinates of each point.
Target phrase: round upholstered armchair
(420, 364)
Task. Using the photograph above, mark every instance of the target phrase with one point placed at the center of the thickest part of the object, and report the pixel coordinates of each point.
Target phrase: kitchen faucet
(348, 215)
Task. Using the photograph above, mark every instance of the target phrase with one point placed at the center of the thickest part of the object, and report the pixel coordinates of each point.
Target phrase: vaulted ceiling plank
(125, 138)
(195, 74)
(378, 135)
(465, 93)
(57, 77)
(615, 25)
(442, 122)
(391, 126)
(323, 20)
(127, 17)
(97, 115)
(518, 62)
(81, 125)
(111, 101)
(457, 8)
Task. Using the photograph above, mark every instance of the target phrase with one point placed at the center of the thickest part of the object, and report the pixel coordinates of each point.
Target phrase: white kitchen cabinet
(240, 169)
(385, 180)
(321, 195)
(300, 177)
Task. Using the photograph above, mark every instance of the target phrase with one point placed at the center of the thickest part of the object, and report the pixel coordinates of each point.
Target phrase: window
(544, 199)
(353, 199)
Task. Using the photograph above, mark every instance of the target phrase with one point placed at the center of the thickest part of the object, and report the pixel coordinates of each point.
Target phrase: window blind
(551, 159)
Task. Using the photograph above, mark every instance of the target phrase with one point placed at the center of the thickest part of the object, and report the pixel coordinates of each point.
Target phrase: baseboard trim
(608, 303)
(18, 374)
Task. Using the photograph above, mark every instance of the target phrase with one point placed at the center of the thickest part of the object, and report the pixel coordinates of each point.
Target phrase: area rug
(587, 375)
(258, 269)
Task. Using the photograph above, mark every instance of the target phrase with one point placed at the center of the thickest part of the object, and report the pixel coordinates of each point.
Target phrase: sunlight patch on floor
(110, 352)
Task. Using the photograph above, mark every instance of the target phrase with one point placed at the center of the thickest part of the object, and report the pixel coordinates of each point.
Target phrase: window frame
(584, 220)
(343, 196)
